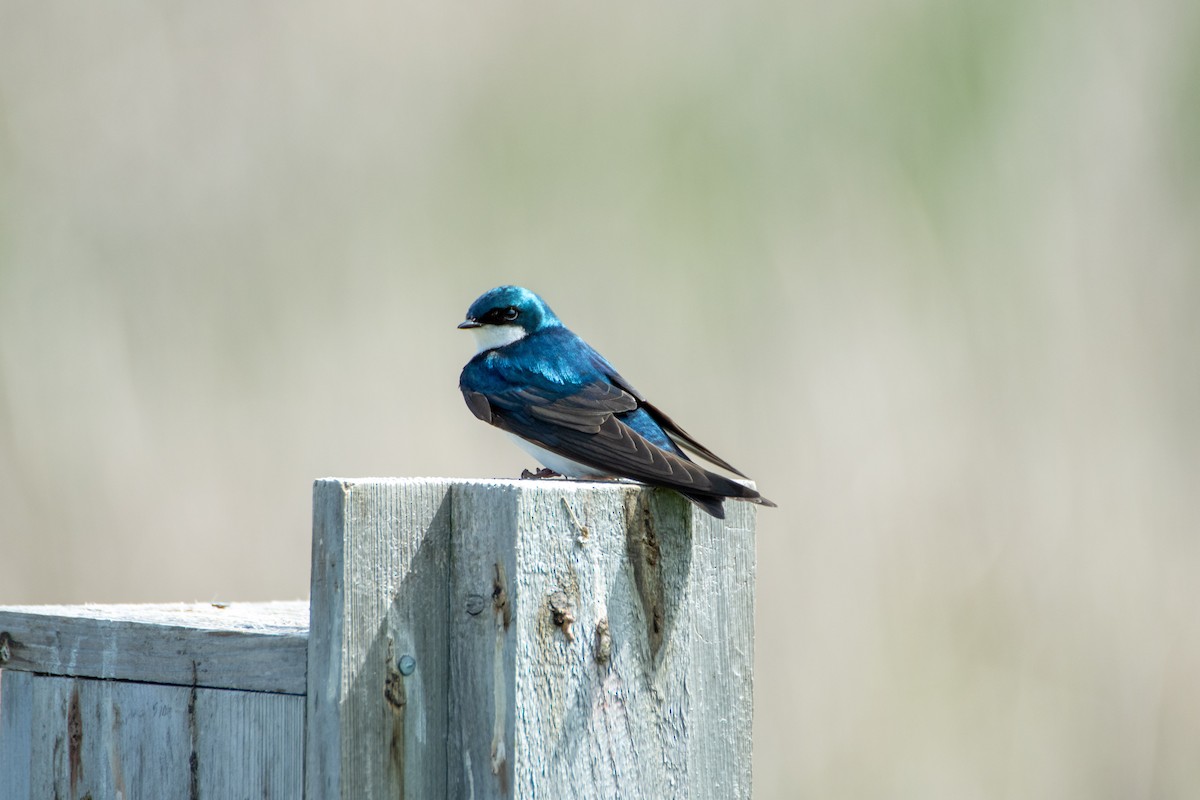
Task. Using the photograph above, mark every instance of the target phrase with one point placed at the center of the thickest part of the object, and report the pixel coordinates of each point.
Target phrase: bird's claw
(541, 473)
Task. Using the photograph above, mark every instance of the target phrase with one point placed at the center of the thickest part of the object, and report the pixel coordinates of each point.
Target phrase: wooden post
(476, 639)
(562, 640)
(378, 655)
(152, 701)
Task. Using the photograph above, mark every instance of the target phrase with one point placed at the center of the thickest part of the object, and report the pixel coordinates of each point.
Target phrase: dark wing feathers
(479, 405)
(620, 449)
(587, 428)
(586, 410)
(681, 437)
(687, 441)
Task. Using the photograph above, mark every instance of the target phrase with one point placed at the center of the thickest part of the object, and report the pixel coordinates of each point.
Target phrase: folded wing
(587, 426)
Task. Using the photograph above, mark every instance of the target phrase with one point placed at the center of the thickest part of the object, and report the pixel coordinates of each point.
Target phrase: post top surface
(287, 617)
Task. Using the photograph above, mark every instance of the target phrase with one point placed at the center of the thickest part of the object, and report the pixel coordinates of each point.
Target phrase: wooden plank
(112, 739)
(16, 733)
(483, 655)
(249, 744)
(378, 651)
(650, 695)
(251, 646)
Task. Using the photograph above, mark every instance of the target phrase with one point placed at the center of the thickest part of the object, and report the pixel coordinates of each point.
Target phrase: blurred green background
(927, 270)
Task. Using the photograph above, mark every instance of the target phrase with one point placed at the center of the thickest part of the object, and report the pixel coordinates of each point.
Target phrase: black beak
(467, 324)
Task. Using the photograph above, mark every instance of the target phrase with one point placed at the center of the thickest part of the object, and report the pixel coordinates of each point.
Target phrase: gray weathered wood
(650, 695)
(16, 733)
(379, 594)
(252, 646)
(466, 639)
(249, 744)
(79, 737)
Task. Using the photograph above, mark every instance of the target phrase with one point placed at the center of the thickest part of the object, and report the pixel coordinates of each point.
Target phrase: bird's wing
(672, 429)
(583, 426)
(687, 441)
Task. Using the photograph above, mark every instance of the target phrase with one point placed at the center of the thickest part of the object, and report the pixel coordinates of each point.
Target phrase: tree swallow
(563, 403)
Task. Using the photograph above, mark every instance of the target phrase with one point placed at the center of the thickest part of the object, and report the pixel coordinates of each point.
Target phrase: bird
(565, 404)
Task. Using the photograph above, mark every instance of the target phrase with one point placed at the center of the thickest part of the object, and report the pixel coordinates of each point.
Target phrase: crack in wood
(642, 546)
(194, 737)
(75, 738)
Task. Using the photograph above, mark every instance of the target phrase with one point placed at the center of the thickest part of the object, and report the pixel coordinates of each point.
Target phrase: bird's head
(505, 315)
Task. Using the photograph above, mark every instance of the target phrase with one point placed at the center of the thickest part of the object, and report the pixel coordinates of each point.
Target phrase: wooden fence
(463, 639)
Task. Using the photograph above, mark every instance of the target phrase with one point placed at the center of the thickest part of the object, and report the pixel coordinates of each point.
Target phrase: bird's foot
(541, 473)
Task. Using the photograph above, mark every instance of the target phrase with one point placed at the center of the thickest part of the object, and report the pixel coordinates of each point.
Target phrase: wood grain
(80, 737)
(379, 593)
(613, 655)
(251, 646)
(481, 639)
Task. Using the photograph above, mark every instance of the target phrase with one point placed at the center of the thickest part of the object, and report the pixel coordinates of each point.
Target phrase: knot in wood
(563, 613)
(500, 595)
(603, 641)
(393, 689)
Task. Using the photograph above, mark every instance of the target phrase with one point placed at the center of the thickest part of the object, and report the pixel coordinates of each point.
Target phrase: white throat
(489, 337)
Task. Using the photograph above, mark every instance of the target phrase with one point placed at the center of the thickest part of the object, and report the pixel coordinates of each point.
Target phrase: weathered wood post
(152, 701)
(528, 639)
(378, 648)
(472, 639)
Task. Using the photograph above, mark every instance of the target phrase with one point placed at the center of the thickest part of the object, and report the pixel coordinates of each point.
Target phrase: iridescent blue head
(505, 315)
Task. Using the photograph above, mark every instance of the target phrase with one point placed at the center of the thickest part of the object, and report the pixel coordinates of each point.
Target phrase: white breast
(561, 465)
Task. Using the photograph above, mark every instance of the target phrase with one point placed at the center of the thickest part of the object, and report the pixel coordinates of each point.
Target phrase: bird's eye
(510, 314)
